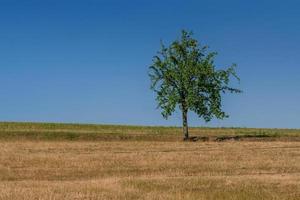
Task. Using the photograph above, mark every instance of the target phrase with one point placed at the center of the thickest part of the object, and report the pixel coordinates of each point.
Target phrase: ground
(36, 165)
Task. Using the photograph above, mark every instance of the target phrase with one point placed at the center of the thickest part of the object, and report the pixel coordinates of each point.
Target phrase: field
(69, 161)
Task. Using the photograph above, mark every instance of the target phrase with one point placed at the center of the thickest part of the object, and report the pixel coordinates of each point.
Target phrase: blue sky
(87, 61)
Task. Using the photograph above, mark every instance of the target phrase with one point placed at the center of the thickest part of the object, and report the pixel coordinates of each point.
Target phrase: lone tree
(184, 75)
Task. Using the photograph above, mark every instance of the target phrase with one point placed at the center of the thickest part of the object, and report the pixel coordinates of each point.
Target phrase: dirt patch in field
(241, 138)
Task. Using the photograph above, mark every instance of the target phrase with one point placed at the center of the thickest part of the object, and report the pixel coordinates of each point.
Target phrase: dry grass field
(51, 161)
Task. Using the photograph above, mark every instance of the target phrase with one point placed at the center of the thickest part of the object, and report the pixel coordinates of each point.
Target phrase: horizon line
(134, 125)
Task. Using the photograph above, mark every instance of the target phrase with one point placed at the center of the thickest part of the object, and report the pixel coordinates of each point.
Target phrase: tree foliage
(184, 75)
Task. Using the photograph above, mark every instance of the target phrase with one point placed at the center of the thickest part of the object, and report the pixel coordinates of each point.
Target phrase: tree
(184, 75)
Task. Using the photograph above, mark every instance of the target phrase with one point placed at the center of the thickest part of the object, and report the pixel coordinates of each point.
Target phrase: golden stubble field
(149, 170)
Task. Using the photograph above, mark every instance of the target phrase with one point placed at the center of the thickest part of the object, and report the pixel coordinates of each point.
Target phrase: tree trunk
(185, 123)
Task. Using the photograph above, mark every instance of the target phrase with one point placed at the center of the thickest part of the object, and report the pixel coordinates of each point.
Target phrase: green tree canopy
(184, 75)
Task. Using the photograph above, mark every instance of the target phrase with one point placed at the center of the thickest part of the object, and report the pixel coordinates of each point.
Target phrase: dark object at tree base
(195, 139)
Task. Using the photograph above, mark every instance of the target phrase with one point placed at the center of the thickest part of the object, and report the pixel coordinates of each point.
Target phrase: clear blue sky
(87, 61)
